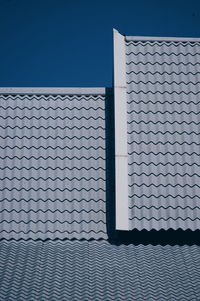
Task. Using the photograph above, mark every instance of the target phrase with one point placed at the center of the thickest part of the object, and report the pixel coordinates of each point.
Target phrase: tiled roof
(163, 90)
(52, 166)
(82, 270)
(57, 183)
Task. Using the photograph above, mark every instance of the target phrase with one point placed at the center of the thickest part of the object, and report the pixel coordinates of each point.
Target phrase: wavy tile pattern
(82, 270)
(52, 166)
(163, 95)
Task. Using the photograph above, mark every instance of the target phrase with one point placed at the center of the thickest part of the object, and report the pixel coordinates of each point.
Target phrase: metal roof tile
(163, 88)
(81, 270)
(52, 158)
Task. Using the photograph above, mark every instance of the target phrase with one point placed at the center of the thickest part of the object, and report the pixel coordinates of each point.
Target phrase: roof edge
(55, 91)
(161, 39)
(120, 116)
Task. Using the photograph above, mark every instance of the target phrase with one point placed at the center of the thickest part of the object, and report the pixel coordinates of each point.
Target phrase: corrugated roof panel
(163, 93)
(52, 158)
(81, 270)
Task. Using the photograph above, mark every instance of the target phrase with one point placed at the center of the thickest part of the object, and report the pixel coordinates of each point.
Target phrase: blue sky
(68, 43)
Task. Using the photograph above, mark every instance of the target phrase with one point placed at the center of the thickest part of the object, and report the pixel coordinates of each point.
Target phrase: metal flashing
(53, 91)
(161, 39)
(121, 152)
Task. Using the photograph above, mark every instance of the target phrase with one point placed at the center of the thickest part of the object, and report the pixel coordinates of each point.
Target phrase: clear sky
(68, 43)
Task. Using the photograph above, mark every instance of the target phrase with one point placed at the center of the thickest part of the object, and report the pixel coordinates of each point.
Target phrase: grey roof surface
(163, 96)
(52, 166)
(82, 270)
(57, 182)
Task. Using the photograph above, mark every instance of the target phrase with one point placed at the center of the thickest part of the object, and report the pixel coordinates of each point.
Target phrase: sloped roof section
(163, 137)
(163, 106)
(82, 270)
(52, 159)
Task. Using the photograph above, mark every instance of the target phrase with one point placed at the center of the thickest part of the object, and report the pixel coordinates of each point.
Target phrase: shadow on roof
(154, 237)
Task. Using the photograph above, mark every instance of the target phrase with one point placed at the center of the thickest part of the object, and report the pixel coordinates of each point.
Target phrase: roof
(81, 270)
(52, 157)
(59, 185)
(162, 88)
